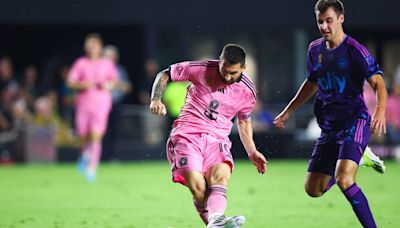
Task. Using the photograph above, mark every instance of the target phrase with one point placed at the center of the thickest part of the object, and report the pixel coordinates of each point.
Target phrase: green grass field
(142, 195)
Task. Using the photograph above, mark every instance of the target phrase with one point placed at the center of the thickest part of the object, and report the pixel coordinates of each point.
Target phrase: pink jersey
(96, 72)
(211, 105)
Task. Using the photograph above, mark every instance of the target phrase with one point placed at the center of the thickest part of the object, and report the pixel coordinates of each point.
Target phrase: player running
(198, 148)
(93, 77)
(337, 66)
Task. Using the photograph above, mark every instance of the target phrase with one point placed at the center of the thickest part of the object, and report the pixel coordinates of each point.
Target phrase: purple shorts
(334, 145)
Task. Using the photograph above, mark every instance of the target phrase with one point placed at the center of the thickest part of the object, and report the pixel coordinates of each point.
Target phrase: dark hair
(94, 36)
(233, 54)
(323, 5)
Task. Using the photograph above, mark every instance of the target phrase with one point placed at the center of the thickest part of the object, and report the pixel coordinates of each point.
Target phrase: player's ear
(244, 67)
(341, 18)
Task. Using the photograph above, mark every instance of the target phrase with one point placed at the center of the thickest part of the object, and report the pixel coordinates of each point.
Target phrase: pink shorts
(87, 121)
(196, 152)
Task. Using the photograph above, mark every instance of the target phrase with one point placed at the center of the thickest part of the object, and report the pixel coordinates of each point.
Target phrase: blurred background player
(93, 77)
(199, 148)
(121, 88)
(337, 67)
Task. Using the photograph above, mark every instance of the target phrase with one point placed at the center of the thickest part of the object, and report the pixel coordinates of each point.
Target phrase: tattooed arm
(159, 85)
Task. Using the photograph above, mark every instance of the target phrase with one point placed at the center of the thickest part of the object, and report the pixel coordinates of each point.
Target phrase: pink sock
(202, 210)
(216, 202)
(95, 150)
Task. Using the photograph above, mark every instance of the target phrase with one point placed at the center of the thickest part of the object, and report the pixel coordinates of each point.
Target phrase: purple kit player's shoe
(371, 160)
(222, 221)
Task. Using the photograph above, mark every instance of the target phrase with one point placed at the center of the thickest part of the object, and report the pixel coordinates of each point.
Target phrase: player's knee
(198, 193)
(312, 191)
(344, 181)
(219, 178)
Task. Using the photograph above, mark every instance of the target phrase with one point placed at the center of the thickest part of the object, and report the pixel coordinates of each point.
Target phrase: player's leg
(186, 164)
(321, 169)
(98, 126)
(217, 178)
(197, 184)
(218, 164)
(317, 184)
(82, 129)
(350, 153)
(95, 146)
(345, 176)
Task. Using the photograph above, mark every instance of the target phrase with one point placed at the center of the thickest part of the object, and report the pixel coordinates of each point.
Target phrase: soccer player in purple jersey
(337, 66)
(198, 148)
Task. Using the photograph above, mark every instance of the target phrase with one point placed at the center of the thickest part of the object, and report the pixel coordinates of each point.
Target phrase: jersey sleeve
(368, 66)
(182, 71)
(310, 73)
(75, 73)
(245, 113)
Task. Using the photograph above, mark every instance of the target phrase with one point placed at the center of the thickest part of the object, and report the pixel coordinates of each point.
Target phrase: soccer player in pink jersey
(93, 77)
(198, 148)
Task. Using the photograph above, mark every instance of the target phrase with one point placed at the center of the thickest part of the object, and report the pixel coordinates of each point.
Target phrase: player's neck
(334, 43)
(93, 57)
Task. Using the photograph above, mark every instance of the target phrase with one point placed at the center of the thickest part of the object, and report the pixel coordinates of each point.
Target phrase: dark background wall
(364, 13)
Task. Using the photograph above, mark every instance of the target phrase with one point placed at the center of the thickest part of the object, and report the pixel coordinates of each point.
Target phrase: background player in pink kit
(199, 148)
(93, 77)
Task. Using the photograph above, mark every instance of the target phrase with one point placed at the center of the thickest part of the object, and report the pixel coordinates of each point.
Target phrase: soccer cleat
(222, 221)
(81, 164)
(371, 160)
(90, 176)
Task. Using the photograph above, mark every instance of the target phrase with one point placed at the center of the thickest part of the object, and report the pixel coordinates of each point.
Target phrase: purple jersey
(340, 74)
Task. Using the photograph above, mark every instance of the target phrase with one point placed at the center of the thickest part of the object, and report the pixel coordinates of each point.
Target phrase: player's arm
(79, 85)
(378, 124)
(159, 85)
(305, 92)
(246, 136)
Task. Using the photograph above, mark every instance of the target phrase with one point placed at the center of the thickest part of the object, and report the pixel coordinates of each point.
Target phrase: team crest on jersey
(369, 60)
(183, 162)
(342, 62)
(214, 104)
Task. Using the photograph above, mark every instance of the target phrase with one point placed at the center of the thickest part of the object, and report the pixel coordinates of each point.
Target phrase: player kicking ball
(337, 67)
(198, 148)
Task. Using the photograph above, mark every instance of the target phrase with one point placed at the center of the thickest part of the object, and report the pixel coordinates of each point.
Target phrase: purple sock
(332, 182)
(360, 205)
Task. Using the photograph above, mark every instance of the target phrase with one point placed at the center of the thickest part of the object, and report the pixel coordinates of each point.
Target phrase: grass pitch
(141, 195)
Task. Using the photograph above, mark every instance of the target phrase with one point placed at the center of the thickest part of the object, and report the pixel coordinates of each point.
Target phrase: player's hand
(280, 119)
(259, 161)
(158, 108)
(378, 124)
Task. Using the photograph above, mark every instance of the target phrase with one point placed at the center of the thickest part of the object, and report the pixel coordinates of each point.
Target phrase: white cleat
(226, 222)
(371, 160)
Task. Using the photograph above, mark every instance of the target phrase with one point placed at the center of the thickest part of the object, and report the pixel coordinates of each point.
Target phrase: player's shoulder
(204, 63)
(82, 60)
(249, 85)
(357, 47)
(315, 44)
